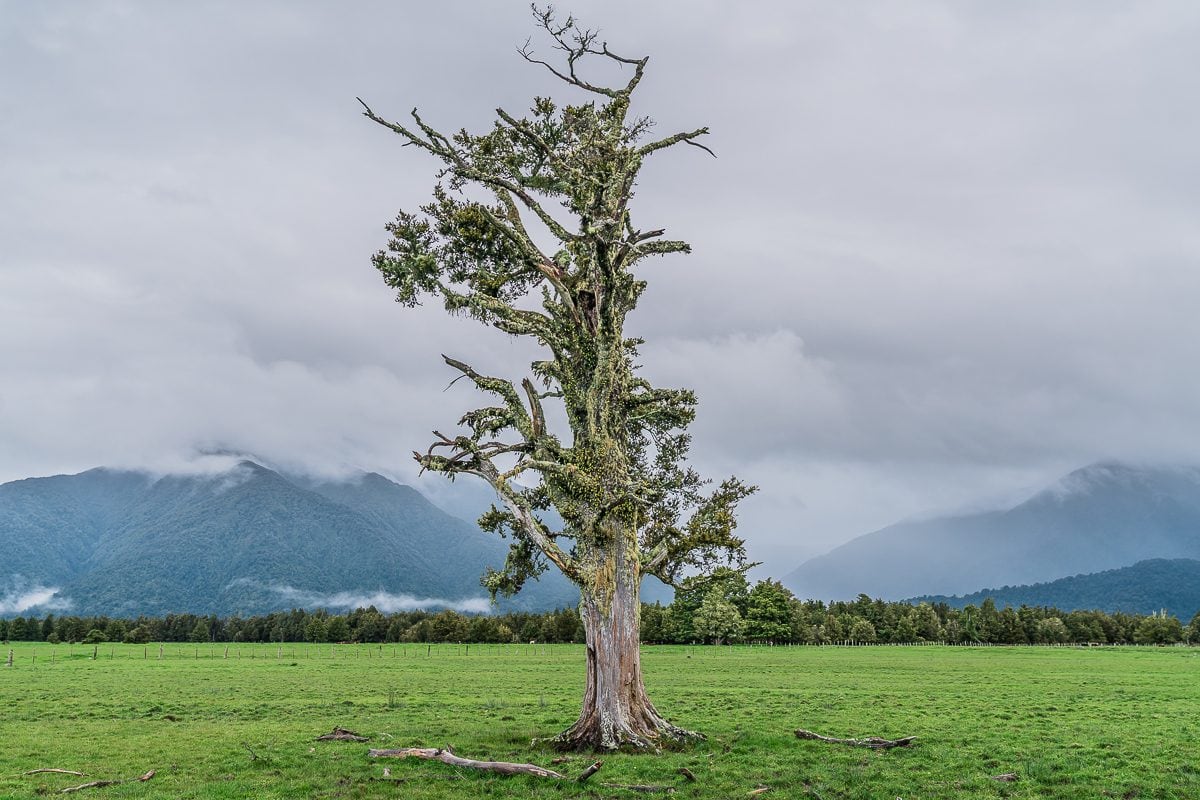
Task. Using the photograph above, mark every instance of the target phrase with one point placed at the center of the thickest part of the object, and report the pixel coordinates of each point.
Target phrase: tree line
(721, 609)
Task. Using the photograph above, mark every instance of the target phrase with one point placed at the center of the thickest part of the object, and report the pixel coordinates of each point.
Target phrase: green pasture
(1071, 723)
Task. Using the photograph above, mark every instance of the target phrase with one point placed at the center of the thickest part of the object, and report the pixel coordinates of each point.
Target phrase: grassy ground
(1072, 723)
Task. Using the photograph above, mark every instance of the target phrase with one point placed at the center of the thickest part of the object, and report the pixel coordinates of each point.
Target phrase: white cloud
(384, 601)
(25, 597)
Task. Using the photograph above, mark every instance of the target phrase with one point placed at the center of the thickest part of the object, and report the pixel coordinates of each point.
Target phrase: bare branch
(687, 136)
(579, 44)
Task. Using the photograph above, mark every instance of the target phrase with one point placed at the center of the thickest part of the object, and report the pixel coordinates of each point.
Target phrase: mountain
(1101, 517)
(248, 540)
(1145, 588)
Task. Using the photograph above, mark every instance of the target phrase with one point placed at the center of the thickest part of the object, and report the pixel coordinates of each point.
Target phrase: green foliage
(769, 609)
(717, 619)
(862, 631)
(95, 636)
(769, 612)
(200, 632)
(338, 629)
(1158, 629)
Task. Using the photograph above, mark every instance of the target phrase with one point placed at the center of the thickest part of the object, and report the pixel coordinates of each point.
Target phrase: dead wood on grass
(874, 742)
(339, 734)
(101, 784)
(446, 756)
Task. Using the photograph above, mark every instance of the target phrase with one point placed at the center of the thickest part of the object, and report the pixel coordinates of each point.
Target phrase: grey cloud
(946, 251)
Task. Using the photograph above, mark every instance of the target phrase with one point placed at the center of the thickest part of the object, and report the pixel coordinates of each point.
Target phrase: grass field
(1072, 723)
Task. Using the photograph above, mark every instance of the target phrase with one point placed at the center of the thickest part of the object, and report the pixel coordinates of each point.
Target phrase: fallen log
(446, 757)
(339, 734)
(873, 742)
(509, 768)
(57, 771)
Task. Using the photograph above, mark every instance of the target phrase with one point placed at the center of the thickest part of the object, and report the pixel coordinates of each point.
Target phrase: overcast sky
(947, 252)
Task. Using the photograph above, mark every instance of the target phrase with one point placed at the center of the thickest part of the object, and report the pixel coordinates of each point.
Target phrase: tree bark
(617, 712)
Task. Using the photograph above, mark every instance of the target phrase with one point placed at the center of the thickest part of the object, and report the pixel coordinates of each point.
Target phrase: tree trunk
(617, 714)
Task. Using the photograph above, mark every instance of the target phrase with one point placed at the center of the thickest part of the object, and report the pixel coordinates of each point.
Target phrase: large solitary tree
(530, 230)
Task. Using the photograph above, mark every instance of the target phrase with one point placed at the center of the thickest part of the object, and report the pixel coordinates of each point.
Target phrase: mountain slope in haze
(248, 540)
(1101, 517)
(1147, 587)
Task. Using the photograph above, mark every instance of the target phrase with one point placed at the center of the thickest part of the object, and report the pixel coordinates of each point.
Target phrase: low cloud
(384, 601)
(23, 598)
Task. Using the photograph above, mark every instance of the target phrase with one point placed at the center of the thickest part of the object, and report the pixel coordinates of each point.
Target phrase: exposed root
(874, 742)
(587, 736)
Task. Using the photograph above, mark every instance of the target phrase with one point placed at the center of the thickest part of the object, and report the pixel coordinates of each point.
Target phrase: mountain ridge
(245, 540)
(1147, 587)
(1103, 516)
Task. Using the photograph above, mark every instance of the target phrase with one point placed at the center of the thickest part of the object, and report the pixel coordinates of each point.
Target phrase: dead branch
(687, 773)
(339, 734)
(52, 769)
(101, 784)
(508, 768)
(446, 757)
(92, 785)
(758, 791)
(874, 742)
(646, 788)
(1007, 777)
(589, 772)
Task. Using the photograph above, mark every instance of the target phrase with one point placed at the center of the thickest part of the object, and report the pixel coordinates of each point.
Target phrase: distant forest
(721, 610)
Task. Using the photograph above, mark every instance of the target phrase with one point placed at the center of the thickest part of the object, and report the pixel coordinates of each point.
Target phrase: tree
(1053, 630)
(337, 629)
(95, 636)
(769, 612)
(862, 631)
(717, 619)
(200, 632)
(493, 242)
(1158, 629)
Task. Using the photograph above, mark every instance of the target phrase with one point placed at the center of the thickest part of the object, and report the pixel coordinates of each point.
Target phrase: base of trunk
(597, 731)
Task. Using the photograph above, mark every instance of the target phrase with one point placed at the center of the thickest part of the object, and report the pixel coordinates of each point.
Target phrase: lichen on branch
(530, 230)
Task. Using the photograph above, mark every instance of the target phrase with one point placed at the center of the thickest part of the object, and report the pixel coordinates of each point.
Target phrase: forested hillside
(248, 540)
